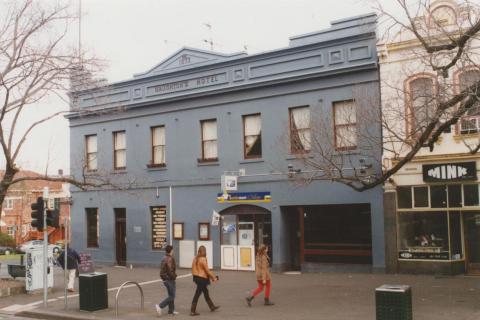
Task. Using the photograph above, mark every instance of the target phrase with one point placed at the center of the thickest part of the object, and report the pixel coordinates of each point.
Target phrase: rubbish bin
(394, 302)
(93, 291)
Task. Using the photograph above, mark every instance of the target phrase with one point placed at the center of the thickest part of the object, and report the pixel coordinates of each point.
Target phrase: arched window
(443, 16)
(421, 105)
(470, 122)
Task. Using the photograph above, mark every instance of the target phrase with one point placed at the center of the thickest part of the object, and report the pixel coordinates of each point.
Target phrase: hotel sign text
(188, 84)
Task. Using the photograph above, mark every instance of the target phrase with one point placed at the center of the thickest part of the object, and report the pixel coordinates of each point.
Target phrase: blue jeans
(170, 300)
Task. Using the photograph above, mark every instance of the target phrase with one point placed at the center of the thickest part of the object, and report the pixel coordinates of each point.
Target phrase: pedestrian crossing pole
(65, 250)
(45, 248)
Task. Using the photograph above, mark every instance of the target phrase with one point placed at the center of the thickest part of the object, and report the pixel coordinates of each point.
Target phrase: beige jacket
(262, 267)
(200, 268)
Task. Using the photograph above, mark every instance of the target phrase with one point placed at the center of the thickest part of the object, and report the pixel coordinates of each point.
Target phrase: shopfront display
(437, 222)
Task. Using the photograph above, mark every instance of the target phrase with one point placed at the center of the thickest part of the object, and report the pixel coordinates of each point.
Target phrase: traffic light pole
(45, 249)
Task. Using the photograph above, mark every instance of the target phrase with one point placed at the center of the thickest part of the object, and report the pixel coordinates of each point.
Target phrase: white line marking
(22, 307)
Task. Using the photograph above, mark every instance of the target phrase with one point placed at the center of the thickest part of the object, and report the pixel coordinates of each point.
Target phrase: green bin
(394, 302)
(93, 291)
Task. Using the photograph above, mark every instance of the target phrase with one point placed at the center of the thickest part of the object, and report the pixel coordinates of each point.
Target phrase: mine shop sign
(446, 172)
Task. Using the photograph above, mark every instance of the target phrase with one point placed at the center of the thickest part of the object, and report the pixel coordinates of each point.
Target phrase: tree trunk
(6, 182)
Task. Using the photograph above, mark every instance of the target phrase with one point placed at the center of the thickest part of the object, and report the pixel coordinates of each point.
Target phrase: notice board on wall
(159, 227)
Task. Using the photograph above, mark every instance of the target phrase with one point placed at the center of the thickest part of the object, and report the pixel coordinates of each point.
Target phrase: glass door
(228, 245)
(472, 242)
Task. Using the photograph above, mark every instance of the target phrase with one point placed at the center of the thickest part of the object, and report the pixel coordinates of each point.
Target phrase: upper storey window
(421, 104)
(345, 125)
(158, 146)
(209, 140)
(252, 140)
(300, 129)
(470, 121)
(443, 16)
(119, 150)
(91, 152)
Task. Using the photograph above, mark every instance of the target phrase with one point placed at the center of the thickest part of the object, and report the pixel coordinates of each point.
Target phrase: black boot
(212, 306)
(268, 302)
(249, 300)
(193, 309)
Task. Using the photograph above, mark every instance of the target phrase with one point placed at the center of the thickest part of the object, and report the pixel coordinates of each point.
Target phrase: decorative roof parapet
(349, 44)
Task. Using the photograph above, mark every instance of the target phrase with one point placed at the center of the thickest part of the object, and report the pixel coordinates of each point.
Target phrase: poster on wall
(159, 227)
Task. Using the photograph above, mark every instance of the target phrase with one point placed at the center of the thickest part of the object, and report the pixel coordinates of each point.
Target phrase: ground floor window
(11, 231)
(424, 235)
(92, 227)
(431, 235)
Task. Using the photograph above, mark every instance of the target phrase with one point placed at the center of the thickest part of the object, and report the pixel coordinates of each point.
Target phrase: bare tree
(422, 100)
(36, 61)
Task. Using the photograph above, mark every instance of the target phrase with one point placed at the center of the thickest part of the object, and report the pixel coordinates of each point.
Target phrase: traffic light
(37, 214)
(53, 218)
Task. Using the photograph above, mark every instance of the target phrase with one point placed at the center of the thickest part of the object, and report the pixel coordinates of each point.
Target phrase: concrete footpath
(326, 296)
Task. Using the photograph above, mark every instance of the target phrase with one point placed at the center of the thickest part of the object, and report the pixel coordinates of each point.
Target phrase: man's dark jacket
(73, 259)
(168, 268)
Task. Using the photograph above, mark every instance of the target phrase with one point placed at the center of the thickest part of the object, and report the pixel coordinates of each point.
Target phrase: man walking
(168, 275)
(73, 259)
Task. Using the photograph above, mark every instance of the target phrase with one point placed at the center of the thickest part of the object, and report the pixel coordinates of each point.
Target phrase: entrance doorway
(121, 236)
(472, 241)
(243, 229)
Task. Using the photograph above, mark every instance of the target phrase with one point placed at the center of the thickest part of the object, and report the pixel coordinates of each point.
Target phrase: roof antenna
(210, 41)
(80, 31)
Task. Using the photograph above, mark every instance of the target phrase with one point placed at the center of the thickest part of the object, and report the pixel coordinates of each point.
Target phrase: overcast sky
(134, 35)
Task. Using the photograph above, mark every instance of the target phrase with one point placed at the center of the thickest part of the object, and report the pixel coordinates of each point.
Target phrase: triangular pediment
(187, 58)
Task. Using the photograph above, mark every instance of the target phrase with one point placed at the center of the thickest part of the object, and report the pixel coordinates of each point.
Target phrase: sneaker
(174, 313)
(159, 310)
(71, 290)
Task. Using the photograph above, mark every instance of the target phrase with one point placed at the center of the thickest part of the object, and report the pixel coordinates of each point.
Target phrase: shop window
(470, 195)
(456, 252)
(252, 140)
(119, 150)
(404, 195)
(158, 147)
(92, 227)
(300, 130)
(438, 196)
(209, 140)
(423, 235)
(420, 196)
(455, 195)
(345, 125)
(91, 152)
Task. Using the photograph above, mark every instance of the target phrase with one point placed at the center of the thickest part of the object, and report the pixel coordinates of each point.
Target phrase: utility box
(394, 302)
(34, 268)
(93, 291)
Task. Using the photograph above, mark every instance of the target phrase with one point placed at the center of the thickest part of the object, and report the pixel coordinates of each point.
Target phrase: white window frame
(88, 152)
(9, 204)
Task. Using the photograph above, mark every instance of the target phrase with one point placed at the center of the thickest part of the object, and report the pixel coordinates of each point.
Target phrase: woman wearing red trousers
(262, 269)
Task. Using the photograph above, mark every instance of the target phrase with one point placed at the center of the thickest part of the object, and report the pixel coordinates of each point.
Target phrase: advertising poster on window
(159, 227)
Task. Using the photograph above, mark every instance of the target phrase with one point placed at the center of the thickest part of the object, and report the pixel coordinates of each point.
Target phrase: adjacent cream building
(432, 208)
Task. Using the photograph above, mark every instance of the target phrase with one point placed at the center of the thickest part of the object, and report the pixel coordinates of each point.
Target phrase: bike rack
(118, 292)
